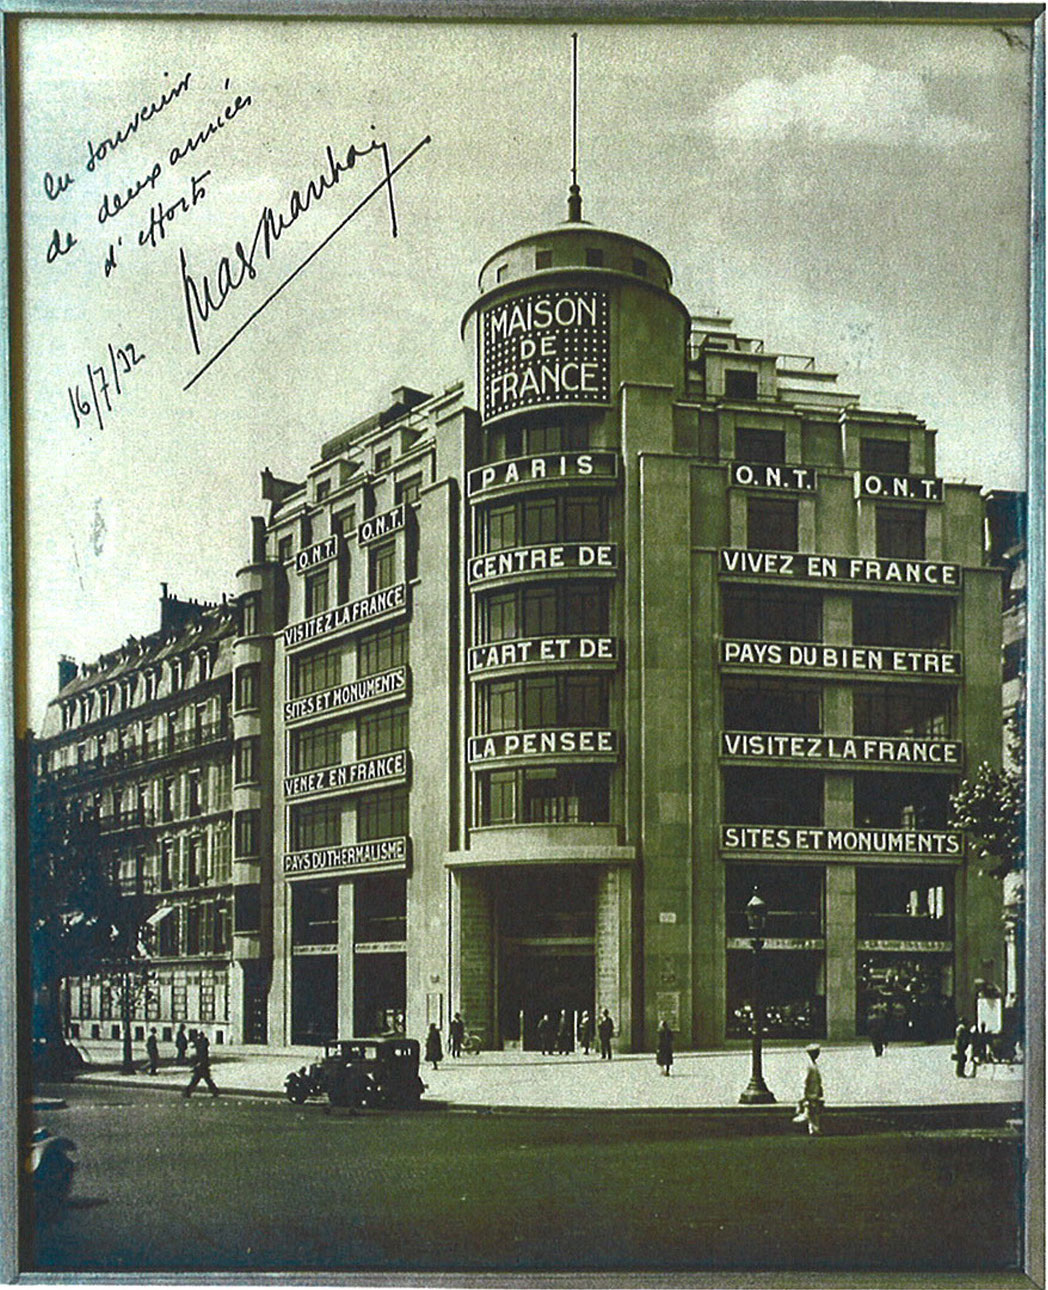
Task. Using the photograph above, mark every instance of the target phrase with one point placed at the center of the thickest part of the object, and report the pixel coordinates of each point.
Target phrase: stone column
(474, 946)
(345, 958)
(614, 896)
(840, 951)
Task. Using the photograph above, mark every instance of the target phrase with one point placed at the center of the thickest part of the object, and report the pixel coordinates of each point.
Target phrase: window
(739, 384)
(151, 685)
(920, 712)
(594, 256)
(169, 799)
(196, 801)
(323, 489)
(382, 650)
(285, 549)
(314, 913)
(793, 894)
(408, 490)
(498, 797)
(177, 674)
(769, 615)
(382, 815)
(583, 520)
(313, 672)
(757, 705)
(203, 665)
(195, 874)
(247, 686)
(249, 615)
(247, 907)
(345, 521)
(380, 908)
(498, 706)
(886, 800)
(305, 531)
(498, 617)
(760, 445)
(313, 749)
(540, 522)
(317, 592)
(167, 864)
(544, 438)
(902, 904)
(540, 702)
(761, 796)
(884, 456)
(585, 701)
(919, 621)
(246, 759)
(543, 259)
(383, 458)
(247, 832)
(566, 795)
(584, 611)
(540, 611)
(382, 732)
(771, 524)
(900, 532)
(500, 528)
(317, 824)
(382, 565)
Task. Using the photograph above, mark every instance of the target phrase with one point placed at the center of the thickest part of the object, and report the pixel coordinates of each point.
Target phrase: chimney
(258, 539)
(67, 670)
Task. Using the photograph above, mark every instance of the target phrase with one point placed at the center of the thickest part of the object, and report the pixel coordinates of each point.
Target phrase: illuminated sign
(353, 775)
(318, 553)
(896, 752)
(899, 488)
(354, 694)
(545, 348)
(543, 743)
(791, 478)
(859, 841)
(546, 649)
(358, 613)
(570, 556)
(838, 568)
(383, 852)
(543, 470)
(778, 943)
(840, 658)
(906, 947)
(377, 526)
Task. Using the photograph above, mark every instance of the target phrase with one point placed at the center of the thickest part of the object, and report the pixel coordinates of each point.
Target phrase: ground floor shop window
(792, 893)
(911, 994)
(380, 908)
(314, 998)
(793, 989)
(314, 914)
(904, 903)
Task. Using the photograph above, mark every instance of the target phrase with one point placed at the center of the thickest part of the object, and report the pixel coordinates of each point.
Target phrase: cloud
(848, 101)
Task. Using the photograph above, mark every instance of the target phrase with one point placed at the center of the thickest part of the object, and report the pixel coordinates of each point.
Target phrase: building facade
(539, 677)
(139, 742)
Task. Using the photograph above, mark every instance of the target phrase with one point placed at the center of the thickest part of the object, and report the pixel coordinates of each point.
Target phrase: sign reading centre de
(545, 348)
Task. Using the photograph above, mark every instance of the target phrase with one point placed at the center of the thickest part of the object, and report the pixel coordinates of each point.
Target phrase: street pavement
(907, 1075)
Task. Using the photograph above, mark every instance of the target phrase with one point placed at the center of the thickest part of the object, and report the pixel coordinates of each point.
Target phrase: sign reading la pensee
(545, 348)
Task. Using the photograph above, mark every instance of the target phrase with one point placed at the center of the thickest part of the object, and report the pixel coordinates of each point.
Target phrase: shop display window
(900, 903)
(380, 908)
(911, 995)
(314, 913)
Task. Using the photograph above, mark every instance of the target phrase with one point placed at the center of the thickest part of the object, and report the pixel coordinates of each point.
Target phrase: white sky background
(855, 192)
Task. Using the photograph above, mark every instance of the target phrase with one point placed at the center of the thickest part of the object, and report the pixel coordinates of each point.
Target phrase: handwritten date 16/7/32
(104, 382)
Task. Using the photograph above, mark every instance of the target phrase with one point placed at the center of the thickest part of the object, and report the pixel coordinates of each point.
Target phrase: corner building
(554, 668)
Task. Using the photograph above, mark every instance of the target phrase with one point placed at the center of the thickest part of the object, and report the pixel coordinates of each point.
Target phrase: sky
(855, 192)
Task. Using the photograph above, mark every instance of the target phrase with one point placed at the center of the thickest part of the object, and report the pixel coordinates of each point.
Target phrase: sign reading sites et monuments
(545, 348)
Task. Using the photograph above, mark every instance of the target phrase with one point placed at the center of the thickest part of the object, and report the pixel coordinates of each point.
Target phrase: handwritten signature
(122, 358)
(207, 296)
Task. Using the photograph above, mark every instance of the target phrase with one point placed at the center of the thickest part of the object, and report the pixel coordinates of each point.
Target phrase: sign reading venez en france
(545, 348)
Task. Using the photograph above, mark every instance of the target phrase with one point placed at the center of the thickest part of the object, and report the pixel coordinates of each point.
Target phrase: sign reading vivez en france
(544, 348)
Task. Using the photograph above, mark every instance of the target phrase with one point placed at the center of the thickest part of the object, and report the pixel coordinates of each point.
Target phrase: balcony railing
(137, 754)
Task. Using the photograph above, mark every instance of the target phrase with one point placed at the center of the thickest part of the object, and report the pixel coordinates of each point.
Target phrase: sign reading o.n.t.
(545, 348)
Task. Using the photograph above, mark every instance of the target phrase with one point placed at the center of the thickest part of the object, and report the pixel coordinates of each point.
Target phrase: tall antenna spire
(574, 195)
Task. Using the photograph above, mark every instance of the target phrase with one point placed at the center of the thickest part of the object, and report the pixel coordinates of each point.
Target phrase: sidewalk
(908, 1075)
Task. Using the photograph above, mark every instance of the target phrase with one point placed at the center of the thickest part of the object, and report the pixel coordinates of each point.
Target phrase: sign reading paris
(545, 348)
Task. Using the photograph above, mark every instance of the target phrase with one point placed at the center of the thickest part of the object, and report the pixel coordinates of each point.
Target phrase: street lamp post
(756, 1091)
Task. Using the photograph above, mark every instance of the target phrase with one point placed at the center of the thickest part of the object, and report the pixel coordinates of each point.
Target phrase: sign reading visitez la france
(543, 348)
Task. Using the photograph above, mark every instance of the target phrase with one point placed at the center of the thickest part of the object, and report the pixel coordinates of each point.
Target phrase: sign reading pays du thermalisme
(545, 348)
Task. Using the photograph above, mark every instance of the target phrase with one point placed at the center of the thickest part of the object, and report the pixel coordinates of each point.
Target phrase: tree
(990, 807)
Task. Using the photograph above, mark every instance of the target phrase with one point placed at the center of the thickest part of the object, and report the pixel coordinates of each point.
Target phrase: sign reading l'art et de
(545, 348)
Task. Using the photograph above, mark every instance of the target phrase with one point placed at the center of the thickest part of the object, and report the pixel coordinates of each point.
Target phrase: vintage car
(362, 1072)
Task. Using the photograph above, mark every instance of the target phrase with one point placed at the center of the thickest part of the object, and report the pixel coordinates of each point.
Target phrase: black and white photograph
(527, 653)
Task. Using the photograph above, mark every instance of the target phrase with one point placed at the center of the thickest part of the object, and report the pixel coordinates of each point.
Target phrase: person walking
(153, 1051)
(434, 1048)
(201, 1064)
(605, 1030)
(545, 1029)
(564, 1034)
(586, 1032)
(980, 1048)
(181, 1044)
(809, 1111)
(961, 1039)
(456, 1034)
(664, 1055)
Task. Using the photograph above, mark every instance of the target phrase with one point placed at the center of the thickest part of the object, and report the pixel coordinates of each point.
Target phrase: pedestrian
(876, 1026)
(586, 1032)
(981, 1051)
(153, 1051)
(664, 1055)
(605, 1030)
(545, 1029)
(564, 1033)
(181, 1043)
(961, 1040)
(201, 1064)
(456, 1033)
(434, 1048)
(809, 1108)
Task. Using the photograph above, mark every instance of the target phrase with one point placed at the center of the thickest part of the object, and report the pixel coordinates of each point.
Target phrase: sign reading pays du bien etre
(545, 348)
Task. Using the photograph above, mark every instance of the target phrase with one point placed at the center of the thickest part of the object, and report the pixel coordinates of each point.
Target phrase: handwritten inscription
(97, 152)
(95, 399)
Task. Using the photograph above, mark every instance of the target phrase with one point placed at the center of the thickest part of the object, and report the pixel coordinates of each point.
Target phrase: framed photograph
(527, 662)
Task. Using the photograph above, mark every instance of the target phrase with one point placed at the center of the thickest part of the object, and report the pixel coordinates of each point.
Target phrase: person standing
(605, 1030)
(564, 1033)
(586, 1032)
(434, 1048)
(181, 1043)
(812, 1100)
(545, 1029)
(456, 1033)
(664, 1055)
(876, 1027)
(201, 1064)
(153, 1051)
(961, 1039)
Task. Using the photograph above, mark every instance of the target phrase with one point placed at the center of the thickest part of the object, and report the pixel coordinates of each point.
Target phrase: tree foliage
(990, 807)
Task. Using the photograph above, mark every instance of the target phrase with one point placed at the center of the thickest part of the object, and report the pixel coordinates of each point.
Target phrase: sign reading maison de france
(545, 348)
(382, 853)
(353, 614)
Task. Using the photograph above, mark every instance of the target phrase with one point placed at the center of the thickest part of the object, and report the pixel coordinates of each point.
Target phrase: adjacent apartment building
(531, 682)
